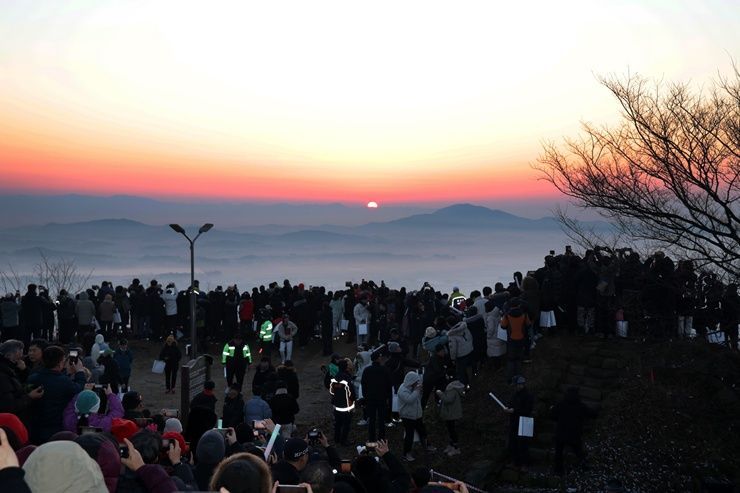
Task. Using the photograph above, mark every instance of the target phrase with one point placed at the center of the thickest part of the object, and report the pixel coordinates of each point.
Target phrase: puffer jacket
(97, 420)
(451, 401)
(494, 346)
(460, 341)
(85, 310)
(409, 396)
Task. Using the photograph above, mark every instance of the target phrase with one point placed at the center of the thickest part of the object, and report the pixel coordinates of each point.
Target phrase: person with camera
(295, 458)
(384, 475)
(61, 378)
(83, 410)
(140, 455)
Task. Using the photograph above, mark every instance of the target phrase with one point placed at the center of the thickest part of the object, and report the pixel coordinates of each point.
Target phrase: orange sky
(328, 101)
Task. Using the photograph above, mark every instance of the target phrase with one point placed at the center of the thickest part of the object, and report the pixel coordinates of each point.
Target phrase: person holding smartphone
(83, 410)
(409, 408)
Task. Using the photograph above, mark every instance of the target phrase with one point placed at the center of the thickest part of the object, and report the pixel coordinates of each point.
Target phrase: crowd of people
(66, 403)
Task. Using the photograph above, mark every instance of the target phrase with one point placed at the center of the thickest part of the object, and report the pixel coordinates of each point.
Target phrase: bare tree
(54, 274)
(13, 280)
(667, 173)
(60, 274)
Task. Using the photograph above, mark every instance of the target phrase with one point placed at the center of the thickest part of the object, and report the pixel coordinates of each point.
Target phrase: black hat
(295, 448)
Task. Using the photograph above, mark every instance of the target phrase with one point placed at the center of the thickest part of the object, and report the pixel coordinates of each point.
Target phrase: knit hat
(130, 400)
(123, 428)
(211, 447)
(172, 424)
(88, 402)
(172, 435)
(63, 466)
(430, 332)
(394, 347)
(12, 422)
(294, 449)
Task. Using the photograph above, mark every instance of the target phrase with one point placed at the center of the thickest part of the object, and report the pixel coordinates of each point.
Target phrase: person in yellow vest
(236, 358)
(266, 338)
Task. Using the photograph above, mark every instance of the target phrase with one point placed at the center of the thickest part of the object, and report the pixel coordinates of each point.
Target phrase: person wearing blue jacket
(61, 380)
(256, 408)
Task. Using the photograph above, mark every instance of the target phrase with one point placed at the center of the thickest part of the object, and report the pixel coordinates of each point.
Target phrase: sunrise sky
(396, 102)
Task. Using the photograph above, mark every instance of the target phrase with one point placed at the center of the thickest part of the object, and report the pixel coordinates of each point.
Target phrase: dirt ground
(313, 401)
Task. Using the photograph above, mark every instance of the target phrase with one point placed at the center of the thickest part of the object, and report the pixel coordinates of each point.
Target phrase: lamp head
(205, 227)
(177, 228)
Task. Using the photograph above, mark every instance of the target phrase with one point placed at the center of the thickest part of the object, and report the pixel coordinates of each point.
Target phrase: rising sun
(372, 205)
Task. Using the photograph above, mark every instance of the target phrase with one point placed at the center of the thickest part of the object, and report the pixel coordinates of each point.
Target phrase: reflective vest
(342, 395)
(229, 350)
(266, 331)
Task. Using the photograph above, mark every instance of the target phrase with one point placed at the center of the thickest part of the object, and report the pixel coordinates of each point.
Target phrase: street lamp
(179, 229)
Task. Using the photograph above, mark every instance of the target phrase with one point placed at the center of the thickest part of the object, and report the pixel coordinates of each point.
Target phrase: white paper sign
(502, 334)
(362, 329)
(158, 366)
(526, 426)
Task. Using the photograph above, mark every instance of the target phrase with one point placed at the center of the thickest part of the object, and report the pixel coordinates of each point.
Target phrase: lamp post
(179, 229)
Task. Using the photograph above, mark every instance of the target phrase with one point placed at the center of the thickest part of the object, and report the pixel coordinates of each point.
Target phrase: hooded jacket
(98, 348)
(63, 466)
(256, 409)
(85, 310)
(98, 420)
(494, 346)
(460, 341)
(101, 450)
(409, 396)
(451, 401)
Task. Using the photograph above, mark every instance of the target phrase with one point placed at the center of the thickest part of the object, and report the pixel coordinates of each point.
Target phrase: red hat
(180, 439)
(123, 428)
(12, 422)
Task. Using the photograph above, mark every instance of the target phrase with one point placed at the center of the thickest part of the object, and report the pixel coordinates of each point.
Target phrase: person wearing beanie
(57, 467)
(83, 409)
(172, 425)
(210, 451)
(432, 339)
(11, 422)
(122, 429)
(295, 453)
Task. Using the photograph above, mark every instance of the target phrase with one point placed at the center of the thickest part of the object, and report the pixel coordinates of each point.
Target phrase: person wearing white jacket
(285, 331)
(409, 408)
(170, 306)
(362, 317)
(460, 342)
(495, 347)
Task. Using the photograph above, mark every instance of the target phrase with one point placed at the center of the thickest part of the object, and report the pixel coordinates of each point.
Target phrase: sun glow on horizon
(262, 100)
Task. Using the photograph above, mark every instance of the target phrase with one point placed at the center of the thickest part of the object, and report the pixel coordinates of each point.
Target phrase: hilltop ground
(669, 414)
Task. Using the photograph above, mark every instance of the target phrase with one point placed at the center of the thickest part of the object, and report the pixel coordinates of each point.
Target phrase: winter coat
(430, 343)
(106, 310)
(451, 402)
(85, 310)
(342, 391)
(124, 360)
(522, 403)
(362, 314)
(13, 398)
(256, 409)
(286, 333)
(13, 481)
(397, 365)
(460, 341)
(409, 396)
(48, 414)
(150, 478)
(494, 346)
(98, 348)
(233, 412)
(32, 307)
(376, 383)
(10, 311)
(289, 376)
(171, 355)
(170, 301)
(284, 407)
(106, 454)
(531, 297)
(260, 379)
(96, 420)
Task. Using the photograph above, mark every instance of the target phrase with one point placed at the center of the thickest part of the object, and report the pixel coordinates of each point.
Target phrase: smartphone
(171, 413)
(99, 386)
(73, 356)
(291, 488)
(345, 467)
(258, 425)
(167, 443)
(123, 451)
(86, 430)
(371, 445)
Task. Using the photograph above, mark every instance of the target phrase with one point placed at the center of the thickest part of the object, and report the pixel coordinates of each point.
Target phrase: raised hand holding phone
(134, 460)
(174, 453)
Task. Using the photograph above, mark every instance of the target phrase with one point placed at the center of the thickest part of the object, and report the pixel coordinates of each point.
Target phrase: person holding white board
(521, 406)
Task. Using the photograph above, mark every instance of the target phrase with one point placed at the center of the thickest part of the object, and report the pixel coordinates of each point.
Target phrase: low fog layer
(461, 245)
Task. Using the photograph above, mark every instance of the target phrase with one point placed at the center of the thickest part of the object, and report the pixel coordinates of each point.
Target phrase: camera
(123, 451)
(167, 443)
